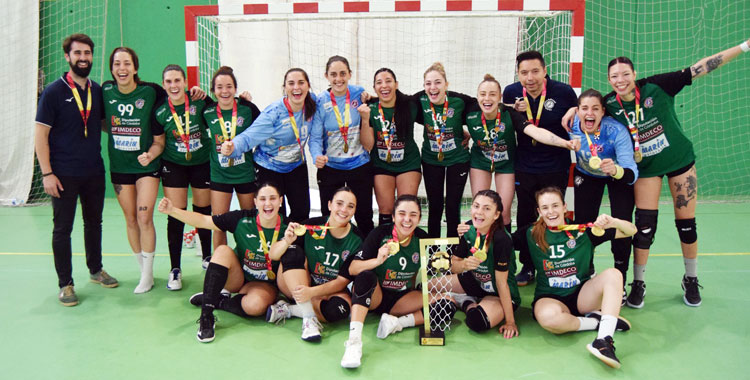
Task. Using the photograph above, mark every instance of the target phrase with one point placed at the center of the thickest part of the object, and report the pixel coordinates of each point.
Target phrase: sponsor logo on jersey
(140, 103)
(548, 265)
(648, 103)
(116, 121)
(318, 247)
(390, 274)
(70, 100)
(482, 277)
(564, 272)
(415, 256)
(549, 104)
(251, 236)
(578, 180)
(477, 128)
(320, 268)
(249, 255)
(214, 121)
(113, 101)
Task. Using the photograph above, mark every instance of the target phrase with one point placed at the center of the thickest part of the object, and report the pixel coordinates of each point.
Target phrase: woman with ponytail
(566, 297)
(280, 134)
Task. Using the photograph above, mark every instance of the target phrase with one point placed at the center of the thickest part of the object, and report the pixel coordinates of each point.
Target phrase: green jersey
(450, 123)
(329, 257)
(241, 170)
(242, 224)
(500, 258)
(565, 265)
(398, 272)
(662, 143)
(130, 127)
(404, 152)
(199, 142)
(495, 143)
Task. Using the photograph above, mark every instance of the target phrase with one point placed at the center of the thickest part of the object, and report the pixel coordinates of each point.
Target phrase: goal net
(469, 43)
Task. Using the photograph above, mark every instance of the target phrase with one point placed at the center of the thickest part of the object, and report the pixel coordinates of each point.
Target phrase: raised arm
(548, 138)
(713, 62)
(366, 135)
(188, 217)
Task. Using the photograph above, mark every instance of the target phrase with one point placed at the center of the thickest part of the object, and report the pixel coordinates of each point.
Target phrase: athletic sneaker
(525, 276)
(353, 354)
(624, 297)
(311, 329)
(388, 325)
(279, 312)
(175, 279)
(206, 325)
(622, 323)
(637, 292)
(104, 279)
(604, 349)
(197, 298)
(692, 295)
(68, 296)
(205, 262)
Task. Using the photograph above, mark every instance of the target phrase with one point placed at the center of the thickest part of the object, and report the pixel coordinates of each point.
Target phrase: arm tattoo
(118, 188)
(697, 69)
(713, 63)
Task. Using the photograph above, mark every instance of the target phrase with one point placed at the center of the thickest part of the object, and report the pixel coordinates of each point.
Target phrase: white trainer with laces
(278, 312)
(175, 279)
(311, 329)
(353, 354)
(388, 325)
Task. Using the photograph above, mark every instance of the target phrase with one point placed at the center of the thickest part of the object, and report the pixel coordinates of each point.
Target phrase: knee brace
(293, 258)
(334, 309)
(687, 230)
(645, 221)
(476, 319)
(442, 310)
(205, 210)
(363, 287)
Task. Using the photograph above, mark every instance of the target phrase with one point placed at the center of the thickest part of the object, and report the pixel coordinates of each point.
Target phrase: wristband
(745, 47)
(47, 174)
(619, 173)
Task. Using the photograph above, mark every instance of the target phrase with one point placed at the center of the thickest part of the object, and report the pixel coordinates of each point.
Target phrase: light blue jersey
(325, 137)
(272, 134)
(613, 142)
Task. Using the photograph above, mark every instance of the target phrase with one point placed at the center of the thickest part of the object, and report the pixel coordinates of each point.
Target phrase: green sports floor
(114, 334)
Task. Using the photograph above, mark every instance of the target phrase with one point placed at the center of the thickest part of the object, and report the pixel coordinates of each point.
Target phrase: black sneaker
(604, 350)
(197, 298)
(692, 295)
(624, 297)
(206, 325)
(637, 292)
(622, 323)
(525, 276)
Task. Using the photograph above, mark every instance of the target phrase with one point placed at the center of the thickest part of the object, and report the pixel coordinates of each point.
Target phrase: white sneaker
(311, 329)
(278, 313)
(175, 279)
(388, 325)
(353, 354)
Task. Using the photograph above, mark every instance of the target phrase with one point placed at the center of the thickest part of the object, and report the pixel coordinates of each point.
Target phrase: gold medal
(441, 156)
(271, 275)
(595, 162)
(388, 157)
(480, 254)
(300, 230)
(638, 156)
(597, 231)
(346, 147)
(188, 156)
(393, 247)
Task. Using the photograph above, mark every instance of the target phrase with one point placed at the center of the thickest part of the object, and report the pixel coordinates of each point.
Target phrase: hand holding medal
(393, 244)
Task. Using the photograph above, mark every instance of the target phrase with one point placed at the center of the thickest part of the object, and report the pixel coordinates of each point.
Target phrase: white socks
(639, 272)
(147, 273)
(355, 331)
(691, 267)
(607, 326)
(139, 259)
(406, 320)
(586, 323)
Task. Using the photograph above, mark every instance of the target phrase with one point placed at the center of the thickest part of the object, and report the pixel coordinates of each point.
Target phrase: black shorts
(679, 171)
(240, 188)
(472, 288)
(130, 178)
(380, 171)
(571, 301)
(176, 175)
(390, 298)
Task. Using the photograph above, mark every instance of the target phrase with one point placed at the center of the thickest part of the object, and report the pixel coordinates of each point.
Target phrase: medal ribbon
(263, 239)
(437, 129)
(294, 126)
(476, 243)
(394, 233)
(233, 131)
(387, 138)
(571, 227)
(84, 116)
(343, 126)
(487, 133)
(529, 116)
(314, 234)
(592, 147)
(633, 125)
(184, 133)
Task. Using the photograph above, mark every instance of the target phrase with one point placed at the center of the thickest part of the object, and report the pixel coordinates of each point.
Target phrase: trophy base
(435, 337)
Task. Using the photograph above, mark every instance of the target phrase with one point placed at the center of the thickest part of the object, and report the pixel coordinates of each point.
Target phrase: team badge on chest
(648, 103)
(140, 103)
(571, 243)
(415, 258)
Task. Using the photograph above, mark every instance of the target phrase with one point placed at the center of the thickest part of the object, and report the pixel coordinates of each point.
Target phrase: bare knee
(144, 217)
(253, 305)
(549, 319)
(612, 275)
